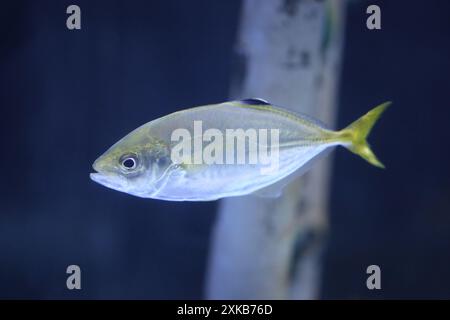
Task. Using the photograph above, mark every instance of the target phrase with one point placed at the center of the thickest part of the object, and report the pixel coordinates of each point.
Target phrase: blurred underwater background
(67, 95)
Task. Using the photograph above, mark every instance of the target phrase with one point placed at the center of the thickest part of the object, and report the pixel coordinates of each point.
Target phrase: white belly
(211, 182)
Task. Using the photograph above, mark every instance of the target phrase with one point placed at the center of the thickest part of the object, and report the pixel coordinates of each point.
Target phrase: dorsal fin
(254, 102)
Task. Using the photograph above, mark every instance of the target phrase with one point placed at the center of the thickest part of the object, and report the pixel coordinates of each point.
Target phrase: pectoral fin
(275, 190)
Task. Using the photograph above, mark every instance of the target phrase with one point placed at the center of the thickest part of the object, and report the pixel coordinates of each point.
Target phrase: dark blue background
(66, 96)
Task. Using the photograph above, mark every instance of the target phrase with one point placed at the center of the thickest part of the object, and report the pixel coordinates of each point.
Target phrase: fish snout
(103, 165)
(101, 173)
(97, 165)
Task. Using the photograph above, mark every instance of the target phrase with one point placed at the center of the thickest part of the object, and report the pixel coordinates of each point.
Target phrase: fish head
(136, 164)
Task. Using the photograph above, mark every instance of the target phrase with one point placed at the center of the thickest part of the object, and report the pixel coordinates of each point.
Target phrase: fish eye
(129, 161)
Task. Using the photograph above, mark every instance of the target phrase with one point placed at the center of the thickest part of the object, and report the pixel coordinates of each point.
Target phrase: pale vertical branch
(289, 53)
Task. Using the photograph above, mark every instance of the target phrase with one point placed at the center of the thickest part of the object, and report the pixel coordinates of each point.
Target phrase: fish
(178, 157)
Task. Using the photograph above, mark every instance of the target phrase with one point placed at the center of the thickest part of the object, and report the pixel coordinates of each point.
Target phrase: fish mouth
(98, 177)
(107, 179)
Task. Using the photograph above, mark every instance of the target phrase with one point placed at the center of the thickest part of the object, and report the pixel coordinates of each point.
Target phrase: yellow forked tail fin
(356, 133)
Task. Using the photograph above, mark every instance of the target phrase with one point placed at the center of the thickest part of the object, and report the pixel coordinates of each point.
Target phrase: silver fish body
(153, 173)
